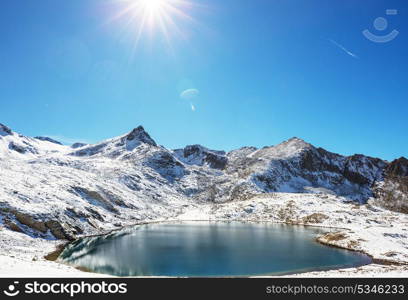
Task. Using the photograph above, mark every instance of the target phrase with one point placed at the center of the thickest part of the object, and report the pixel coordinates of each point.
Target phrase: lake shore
(376, 232)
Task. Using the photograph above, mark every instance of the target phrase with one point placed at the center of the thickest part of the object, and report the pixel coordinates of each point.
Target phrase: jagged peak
(47, 139)
(4, 130)
(140, 134)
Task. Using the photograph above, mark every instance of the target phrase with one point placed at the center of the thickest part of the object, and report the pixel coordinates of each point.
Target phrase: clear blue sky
(266, 70)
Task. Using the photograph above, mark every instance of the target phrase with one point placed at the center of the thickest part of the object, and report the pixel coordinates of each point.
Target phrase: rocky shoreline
(374, 231)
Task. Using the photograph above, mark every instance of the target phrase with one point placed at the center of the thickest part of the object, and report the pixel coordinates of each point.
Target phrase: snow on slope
(16, 146)
(296, 166)
(47, 189)
(118, 146)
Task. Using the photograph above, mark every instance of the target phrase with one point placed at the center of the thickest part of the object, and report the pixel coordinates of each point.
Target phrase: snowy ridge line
(52, 189)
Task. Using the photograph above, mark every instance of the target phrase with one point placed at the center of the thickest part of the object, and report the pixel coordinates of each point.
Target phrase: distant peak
(4, 130)
(140, 134)
(47, 139)
(296, 139)
(398, 167)
(189, 149)
(297, 142)
(78, 145)
(195, 147)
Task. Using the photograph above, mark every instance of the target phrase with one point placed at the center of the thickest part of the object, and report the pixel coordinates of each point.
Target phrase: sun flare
(144, 22)
(155, 12)
(142, 16)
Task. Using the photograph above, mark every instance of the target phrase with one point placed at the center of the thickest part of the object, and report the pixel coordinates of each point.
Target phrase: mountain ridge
(47, 189)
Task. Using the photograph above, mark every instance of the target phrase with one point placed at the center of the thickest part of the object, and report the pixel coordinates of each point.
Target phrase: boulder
(315, 218)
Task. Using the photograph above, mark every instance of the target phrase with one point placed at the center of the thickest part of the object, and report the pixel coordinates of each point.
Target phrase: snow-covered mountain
(51, 190)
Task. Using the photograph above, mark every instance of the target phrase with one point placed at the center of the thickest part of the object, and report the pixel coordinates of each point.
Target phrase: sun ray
(149, 17)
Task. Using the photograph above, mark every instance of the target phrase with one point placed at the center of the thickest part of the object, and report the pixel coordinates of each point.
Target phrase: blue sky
(262, 70)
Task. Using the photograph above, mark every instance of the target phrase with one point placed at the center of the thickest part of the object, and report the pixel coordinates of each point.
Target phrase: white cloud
(343, 48)
(192, 107)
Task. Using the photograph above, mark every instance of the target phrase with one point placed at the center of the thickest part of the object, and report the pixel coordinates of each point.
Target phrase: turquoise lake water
(202, 249)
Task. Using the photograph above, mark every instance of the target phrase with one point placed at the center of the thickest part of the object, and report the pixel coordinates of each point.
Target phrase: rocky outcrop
(200, 156)
(60, 230)
(37, 225)
(22, 148)
(94, 198)
(4, 130)
(30, 221)
(166, 165)
(12, 225)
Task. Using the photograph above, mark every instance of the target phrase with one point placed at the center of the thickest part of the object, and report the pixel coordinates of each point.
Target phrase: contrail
(343, 48)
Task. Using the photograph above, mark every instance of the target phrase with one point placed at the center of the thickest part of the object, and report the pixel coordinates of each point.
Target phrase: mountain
(51, 190)
(392, 192)
(14, 145)
(118, 146)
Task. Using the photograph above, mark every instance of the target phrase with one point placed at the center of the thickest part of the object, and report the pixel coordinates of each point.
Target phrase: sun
(154, 13)
(153, 6)
(170, 19)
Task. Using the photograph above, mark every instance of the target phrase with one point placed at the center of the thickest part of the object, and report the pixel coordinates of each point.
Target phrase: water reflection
(208, 249)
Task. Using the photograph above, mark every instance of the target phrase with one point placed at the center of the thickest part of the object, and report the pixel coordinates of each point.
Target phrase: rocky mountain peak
(297, 142)
(287, 149)
(141, 135)
(4, 130)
